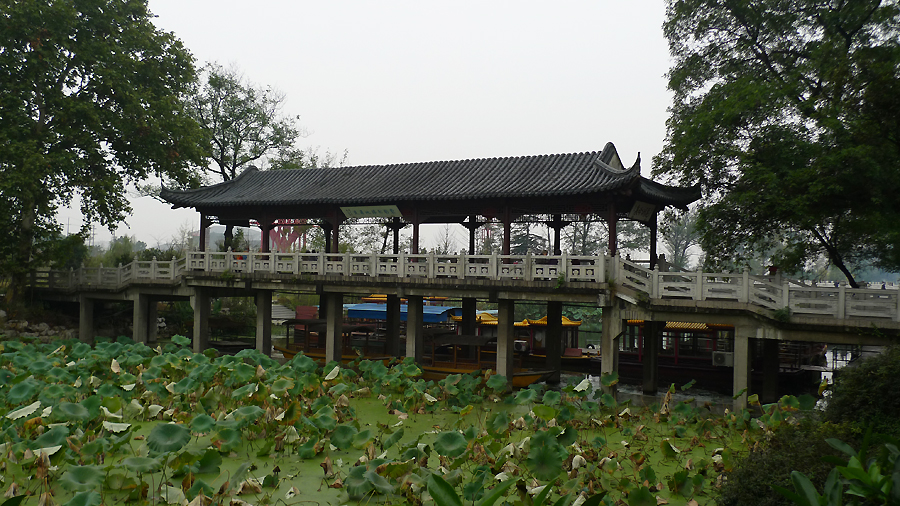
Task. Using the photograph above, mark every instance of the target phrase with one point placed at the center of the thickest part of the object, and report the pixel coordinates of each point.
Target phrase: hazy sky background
(409, 81)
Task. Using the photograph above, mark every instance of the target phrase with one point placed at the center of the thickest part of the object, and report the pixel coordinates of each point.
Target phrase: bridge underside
(750, 322)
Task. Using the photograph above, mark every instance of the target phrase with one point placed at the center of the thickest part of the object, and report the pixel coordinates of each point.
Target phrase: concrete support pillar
(140, 318)
(200, 301)
(392, 324)
(264, 322)
(86, 319)
(650, 356)
(609, 343)
(469, 325)
(415, 342)
(770, 366)
(741, 367)
(153, 320)
(506, 332)
(334, 325)
(553, 340)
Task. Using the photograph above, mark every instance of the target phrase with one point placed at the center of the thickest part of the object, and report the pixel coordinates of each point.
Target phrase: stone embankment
(17, 329)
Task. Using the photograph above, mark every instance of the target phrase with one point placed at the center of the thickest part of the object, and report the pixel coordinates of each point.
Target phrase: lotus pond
(121, 422)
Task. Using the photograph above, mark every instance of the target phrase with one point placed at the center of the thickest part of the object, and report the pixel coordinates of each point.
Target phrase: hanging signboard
(371, 212)
(642, 211)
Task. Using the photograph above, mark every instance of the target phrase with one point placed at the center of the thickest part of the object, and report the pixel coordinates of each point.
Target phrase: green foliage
(787, 113)
(861, 395)
(73, 130)
(791, 448)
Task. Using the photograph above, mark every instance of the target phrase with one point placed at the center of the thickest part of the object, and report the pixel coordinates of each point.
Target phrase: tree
(92, 101)
(788, 113)
(245, 125)
(678, 231)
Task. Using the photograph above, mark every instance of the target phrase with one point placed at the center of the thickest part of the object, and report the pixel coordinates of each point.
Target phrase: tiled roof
(523, 176)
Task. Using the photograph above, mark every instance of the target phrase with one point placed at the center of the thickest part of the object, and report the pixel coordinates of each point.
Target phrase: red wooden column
(611, 219)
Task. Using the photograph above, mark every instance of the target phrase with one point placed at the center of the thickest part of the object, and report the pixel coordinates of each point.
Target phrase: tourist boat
(461, 354)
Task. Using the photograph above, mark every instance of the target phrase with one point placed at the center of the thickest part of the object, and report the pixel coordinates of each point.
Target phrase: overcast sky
(409, 81)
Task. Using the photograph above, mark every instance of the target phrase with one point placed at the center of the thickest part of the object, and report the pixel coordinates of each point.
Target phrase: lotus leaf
(200, 487)
(142, 464)
(545, 461)
(181, 340)
(342, 437)
(202, 424)
(392, 439)
(245, 391)
(53, 437)
(25, 411)
(245, 415)
(227, 439)
(450, 444)
(545, 412)
(307, 450)
(551, 397)
(24, 391)
(186, 386)
(82, 478)
(357, 483)
(167, 437)
(363, 439)
(525, 396)
(282, 385)
(442, 492)
(86, 498)
(209, 463)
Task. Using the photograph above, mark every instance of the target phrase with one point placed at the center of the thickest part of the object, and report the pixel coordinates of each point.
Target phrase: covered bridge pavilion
(557, 189)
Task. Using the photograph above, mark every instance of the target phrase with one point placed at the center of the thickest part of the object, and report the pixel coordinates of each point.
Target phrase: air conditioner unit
(723, 358)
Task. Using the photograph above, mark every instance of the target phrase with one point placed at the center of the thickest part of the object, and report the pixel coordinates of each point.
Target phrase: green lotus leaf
(450, 444)
(86, 498)
(109, 390)
(498, 424)
(338, 389)
(200, 487)
(302, 363)
(246, 415)
(142, 464)
(545, 412)
(53, 437)
(60, 375)
(567, 437)
(241, 374)
(325, 421)
(82, 478)
(342, 437)
(6, 376)
(363, 439)
(442, 492)
(202, 424)
(23, 392)
(186, 386)
(357, 483)
(525, 396)
(551, 397)
(245, 391)
(497, 383)
(546, 461)
(167, 437)
(307, 450)
(209, 463)
(40, 366)
(228, 439)
(181, 340)
(392, 439)
(282, 385)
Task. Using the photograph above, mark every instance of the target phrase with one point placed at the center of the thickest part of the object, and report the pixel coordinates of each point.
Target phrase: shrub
(863, 395)
(792, 448)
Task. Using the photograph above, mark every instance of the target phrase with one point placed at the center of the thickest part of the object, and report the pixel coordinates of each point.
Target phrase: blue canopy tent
(431, 314)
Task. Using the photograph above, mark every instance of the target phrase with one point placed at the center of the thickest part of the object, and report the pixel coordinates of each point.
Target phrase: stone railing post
(841, 310)
(655, 276)
(698, 295)
(786, 295)
(744, 295)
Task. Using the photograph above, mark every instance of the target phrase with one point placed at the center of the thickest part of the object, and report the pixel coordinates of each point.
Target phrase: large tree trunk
(22, 260)
(835, 256)
(228, 242)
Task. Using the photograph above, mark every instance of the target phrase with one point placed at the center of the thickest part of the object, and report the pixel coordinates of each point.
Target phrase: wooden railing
(771, 292)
